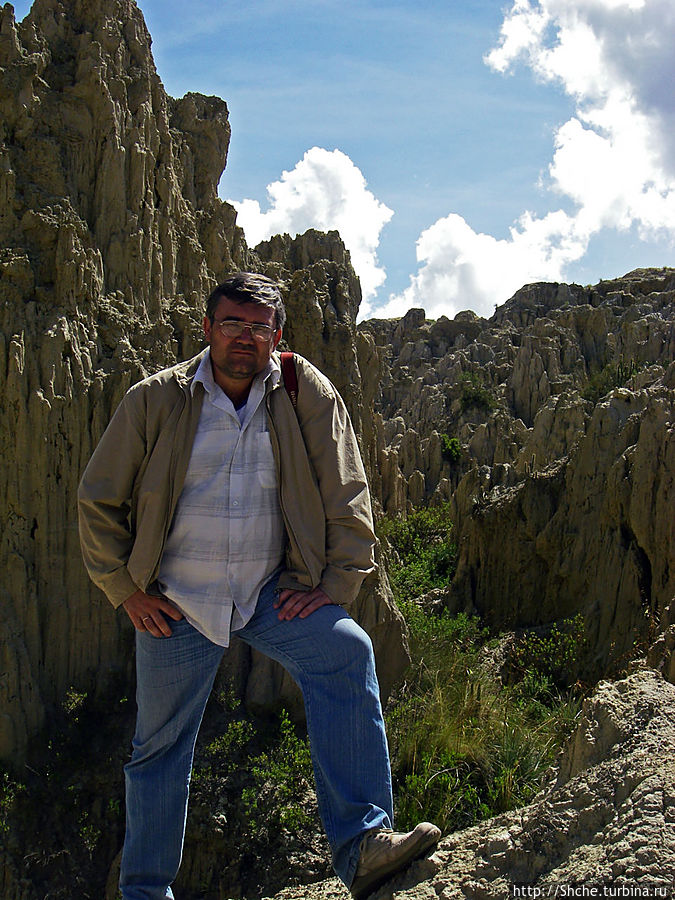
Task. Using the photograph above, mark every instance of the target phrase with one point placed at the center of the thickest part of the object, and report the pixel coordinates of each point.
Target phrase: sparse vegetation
(613, 375)
(10, 788)
(424, 554)
(474, 393)
(451, 448)
(464, 744)
(62, 815)
(62, 818)
(256, 776)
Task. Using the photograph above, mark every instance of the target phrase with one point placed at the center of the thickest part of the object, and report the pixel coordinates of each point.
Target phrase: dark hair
(249, 287)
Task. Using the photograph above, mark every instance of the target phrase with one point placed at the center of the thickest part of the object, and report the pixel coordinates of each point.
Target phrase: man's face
(240, 358)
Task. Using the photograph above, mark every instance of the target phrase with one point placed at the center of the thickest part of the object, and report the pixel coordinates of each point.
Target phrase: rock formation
(112, 235)
(562, 498)
(605, 822)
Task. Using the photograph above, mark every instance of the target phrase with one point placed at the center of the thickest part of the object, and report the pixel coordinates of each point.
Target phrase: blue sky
(461, 148)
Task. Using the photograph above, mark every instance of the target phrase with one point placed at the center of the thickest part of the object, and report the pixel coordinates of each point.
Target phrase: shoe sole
(370, 883)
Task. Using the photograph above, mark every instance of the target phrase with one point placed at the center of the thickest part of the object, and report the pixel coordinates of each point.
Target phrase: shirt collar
(204, 375)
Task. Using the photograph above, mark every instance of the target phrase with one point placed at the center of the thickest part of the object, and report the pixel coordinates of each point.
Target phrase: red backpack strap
(290, 376)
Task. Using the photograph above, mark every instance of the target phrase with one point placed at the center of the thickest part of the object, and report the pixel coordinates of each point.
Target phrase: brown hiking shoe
(385, 852)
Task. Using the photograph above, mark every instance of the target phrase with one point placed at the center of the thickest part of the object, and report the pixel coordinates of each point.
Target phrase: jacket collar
(185, 372)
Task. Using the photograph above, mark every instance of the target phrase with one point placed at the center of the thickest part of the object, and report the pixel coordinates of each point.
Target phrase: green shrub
(474, 393)
(613, 375)
(281, 778)
(424, 556)
(451, 448)
(553, 659)
(228, 747)
(435, 635)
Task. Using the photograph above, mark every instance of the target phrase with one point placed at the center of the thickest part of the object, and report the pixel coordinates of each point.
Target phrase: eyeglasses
(234, 328)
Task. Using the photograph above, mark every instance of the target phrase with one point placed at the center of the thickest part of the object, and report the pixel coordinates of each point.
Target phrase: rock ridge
(112, 236)
(562, 405)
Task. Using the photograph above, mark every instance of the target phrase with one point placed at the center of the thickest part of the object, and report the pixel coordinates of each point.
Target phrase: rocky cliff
(112, 236)
(97, 282)
(562, 409)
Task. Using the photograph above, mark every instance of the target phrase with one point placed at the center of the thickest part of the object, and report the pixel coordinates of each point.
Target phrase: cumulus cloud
(326, 191)
(614, 161)
(461, 269)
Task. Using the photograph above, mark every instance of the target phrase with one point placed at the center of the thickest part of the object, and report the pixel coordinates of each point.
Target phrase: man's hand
(300, 603)
(147, 613)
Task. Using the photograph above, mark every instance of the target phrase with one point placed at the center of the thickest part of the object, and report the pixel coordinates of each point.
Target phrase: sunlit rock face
(563, 404)
(112, 236)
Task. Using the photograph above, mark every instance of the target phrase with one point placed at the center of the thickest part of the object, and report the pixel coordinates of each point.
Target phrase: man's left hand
(300, 603)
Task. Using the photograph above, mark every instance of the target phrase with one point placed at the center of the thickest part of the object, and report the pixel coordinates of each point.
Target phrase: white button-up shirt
(227, 537)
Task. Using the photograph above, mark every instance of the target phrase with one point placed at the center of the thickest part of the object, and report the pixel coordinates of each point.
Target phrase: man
(213, 507)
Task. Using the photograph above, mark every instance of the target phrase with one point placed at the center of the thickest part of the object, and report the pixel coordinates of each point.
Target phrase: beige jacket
(129, 490)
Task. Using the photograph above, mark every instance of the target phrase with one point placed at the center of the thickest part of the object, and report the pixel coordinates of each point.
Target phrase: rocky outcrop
(563, 405)
(322, 294)
(112, 235)
(591, 533)
(101, 260)
(605, 821)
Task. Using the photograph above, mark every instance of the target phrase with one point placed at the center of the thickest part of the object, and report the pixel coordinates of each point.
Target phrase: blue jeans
(331, 659)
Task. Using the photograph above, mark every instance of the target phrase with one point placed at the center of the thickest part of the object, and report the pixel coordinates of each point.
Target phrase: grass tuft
(465, 745)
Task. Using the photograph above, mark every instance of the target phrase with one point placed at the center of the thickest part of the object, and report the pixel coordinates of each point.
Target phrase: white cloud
(325, 191)
(461, 269)
(614, 160)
